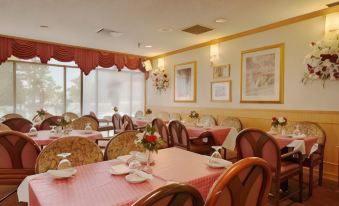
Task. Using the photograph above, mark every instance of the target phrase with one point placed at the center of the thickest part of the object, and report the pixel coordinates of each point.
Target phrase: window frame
(65, 68)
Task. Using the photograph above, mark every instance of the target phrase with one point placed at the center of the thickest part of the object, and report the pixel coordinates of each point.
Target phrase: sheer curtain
(7, 88)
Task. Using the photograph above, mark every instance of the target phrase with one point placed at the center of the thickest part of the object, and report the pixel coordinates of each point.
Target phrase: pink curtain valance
(86, 59)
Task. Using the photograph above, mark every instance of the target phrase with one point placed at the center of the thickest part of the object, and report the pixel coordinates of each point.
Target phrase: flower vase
(282, 130)
(274, 130)
(148, 168)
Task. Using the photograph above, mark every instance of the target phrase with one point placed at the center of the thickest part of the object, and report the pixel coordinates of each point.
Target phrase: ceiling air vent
(109, 32)
(197, 29)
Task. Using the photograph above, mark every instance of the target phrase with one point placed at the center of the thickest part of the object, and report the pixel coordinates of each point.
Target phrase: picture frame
(185, 82)
(221, 91)
(222, 71)
(262, 75)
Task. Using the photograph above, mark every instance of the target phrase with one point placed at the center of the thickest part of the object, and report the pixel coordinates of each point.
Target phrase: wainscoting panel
(261, 118)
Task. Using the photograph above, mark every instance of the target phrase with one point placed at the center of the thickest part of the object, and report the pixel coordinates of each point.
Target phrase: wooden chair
(176, 194)
(208, 120)
(50, 121)
(231, 122)
(80, 123)
(116, 120)
(70, 115)
(247, 182)
(101, 128)
(11, 116)
(129, 124)
(4, 128)
(256, 143)
(83, 151)
(121, 144)
(36, 118)
(312, 129)
(19, 124)
(180, 138)
(162, 129)
(18, 154)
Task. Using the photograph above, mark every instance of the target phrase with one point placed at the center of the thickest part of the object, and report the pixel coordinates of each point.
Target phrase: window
(73, 90)
(39, 86)
(7, 88)
(29, 85)
(107, 88)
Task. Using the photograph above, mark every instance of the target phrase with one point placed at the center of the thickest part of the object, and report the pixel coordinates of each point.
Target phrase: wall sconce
(214, 53)
(148, 65)
(332, 22)
(161, 63)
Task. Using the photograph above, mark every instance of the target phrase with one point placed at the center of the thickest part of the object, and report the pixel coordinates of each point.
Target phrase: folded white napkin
(298, 145)
(142, 174)
(230, 140)
(221, 162)
(124, 158)
(120, 169)
(62, 173)
(22, 190)
(313, 149)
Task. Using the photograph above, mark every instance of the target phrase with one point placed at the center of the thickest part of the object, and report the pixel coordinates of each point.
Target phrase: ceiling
(75, 22)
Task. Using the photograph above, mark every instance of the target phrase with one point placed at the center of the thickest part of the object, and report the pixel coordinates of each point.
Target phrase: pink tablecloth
(219, 133)
(283, 141)
(93, 185)
(44, 136)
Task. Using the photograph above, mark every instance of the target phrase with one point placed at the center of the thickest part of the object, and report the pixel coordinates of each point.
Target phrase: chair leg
(7, 195)
(301, 182)
(277, 193)
(321, 173)
(310, 182)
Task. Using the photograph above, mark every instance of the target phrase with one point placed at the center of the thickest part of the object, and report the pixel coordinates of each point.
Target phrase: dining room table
(45, 137)
(94, 185)
(219, 133)
(305, 144)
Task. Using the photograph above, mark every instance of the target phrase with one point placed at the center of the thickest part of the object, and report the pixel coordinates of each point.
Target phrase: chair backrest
(93, 117)
(231, 122)
(257, 143)
(246, 183)
(81, 122)
(50, 121)
(161, 128)
(179, 135)
(208, 120)
(309, 129)
(36, 118)
(11, 116)
(121, 144)
(18, 154)
(165, 116)
(70, 115)
(92, 114)
(176, 194)
(175, 116)
(19, 124)
(129, 121)
(116, 120)
(139, 114)
(83, 151)
(4, 128)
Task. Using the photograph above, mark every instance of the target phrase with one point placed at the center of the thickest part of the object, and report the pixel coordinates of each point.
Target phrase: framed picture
(221, 91)
(222, 71)
(185, 82)
(262, 75)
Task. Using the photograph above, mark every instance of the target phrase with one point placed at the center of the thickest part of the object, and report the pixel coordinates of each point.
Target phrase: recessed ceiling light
(164, 30)
(116, 34)
(221, 20)
(148, 46)
(44, 26)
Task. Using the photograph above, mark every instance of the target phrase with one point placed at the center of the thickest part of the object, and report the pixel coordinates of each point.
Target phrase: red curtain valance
(86, 59)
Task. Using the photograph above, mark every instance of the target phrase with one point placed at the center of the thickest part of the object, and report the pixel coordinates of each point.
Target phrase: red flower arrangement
(278, 121)
(149, 140)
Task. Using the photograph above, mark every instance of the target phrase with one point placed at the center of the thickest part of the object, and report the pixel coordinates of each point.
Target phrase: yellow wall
(261, 118)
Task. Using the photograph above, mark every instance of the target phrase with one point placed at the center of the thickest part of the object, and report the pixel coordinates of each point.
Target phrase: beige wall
(302, 102)
(296, 38)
